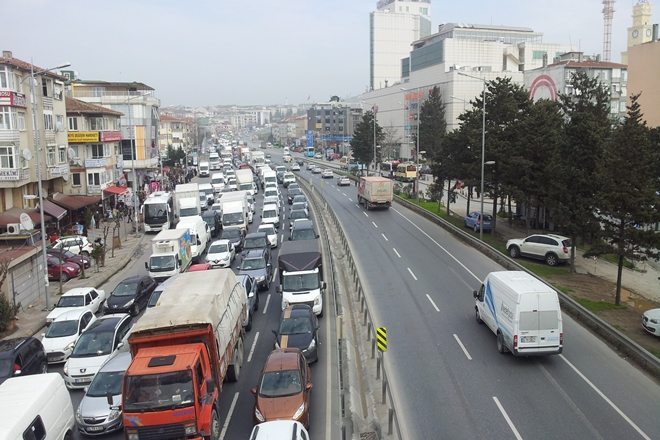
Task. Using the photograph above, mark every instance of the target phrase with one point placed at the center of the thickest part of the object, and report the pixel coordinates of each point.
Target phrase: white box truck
(200, 234)
(242, 196)
(301, 274)
(375, 192)
(204, 169)
(186, 197)
(245, 180)
(235, 213)
(258, 158)
(522, 311)
(171, 253)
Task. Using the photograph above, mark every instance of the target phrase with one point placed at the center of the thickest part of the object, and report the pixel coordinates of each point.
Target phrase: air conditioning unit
(13, 228)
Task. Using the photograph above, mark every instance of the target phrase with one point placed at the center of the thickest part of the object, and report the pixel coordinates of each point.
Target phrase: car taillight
(561, 338)
(515, 342)
(565, 249)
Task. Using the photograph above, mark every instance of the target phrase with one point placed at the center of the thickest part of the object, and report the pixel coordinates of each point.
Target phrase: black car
(212, 218)
(255, 240)
(291, 193)
(280, 177)
(303, 230)
(299, 329)
(235, 236)
(256, 263)
(22, 357)
(70, 257)
(130, 295)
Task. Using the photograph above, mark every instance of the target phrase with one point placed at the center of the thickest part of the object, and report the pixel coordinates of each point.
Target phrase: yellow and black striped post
(381, 339)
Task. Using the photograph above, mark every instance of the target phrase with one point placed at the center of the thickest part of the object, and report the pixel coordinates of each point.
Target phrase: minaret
(641, 30)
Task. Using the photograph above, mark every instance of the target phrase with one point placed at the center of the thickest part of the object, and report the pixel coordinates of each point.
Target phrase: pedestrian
(93, 221)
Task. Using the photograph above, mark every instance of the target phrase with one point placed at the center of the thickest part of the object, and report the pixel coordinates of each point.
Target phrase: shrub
(7, 313)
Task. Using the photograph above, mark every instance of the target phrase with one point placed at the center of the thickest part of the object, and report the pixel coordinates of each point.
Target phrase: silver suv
(554, 249)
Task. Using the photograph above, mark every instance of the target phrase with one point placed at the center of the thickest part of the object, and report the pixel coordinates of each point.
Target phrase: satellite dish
(26, 222)
(26, 154)
(71, 153)
(65, 177)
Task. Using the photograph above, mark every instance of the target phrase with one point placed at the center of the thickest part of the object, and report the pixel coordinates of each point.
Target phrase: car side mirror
(210, 385)
(316, 235)
(146, 265)
(253, 391)
(308, 386)
(323, 285)
(120, 345)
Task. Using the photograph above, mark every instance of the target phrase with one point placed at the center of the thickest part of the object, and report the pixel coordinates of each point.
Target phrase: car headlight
(65, 369)
(79, 418)
(317, 301)
(190, 429)
(129, 303)
(114, 415)
(258, 415)
(299, 411)
(312, 345)
(655, 320)
(260, 279)
(70, 346)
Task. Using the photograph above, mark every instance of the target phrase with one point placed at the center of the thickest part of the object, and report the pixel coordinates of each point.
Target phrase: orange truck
(183, 350)
(375, 192)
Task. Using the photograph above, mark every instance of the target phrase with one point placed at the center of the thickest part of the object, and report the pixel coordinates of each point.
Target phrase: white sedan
(271, 233)
(651, 321)
(60, 337)
(88, 298)
(221, 253)
(327, 174)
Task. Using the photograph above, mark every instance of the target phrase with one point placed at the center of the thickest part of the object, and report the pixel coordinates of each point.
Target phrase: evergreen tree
(432, 131)
(629, 194)
(362, 143)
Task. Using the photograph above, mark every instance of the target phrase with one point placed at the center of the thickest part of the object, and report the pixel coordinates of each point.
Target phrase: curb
(623, 344)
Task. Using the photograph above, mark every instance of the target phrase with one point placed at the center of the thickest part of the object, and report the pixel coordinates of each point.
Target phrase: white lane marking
(396, 252)
(328, 378)
(375, 225)
(506, 417)
(266, 306)
(385, 238)
(338, 190)
(432, 302)
(350, 200)
(438, 244)
(344, 194)
(254, 344)
(411, 273)
(460, 344)
(231, 410)
(365, 214)
(605, 398)
(282, 238)
(274, 274)
(357, 205)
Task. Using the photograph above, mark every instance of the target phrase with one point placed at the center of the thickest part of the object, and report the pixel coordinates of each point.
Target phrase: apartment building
(331, 124)
(176, 131)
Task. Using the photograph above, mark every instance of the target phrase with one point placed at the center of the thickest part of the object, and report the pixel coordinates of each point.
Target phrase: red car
(199, 267)
(70, 257)
(59, 269)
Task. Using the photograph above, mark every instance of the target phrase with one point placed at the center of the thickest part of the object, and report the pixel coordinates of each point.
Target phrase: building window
(62, 153)
(59, 122)
(7, 157)
(5, 117)
(58, 92)
(50, 155)
(76, 151)
(48, 121)
(75, 179)
(46, 86)
(99, 151)
(18, 82)
(538, 54)
(94, 179)
(96, 124)
(73, 124)
(20, 120)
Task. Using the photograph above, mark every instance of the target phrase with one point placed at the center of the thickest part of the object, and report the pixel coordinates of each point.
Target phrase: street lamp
(483, 149)
(39, 181)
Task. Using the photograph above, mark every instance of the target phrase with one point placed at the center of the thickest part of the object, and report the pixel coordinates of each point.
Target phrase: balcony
(10, 136)
(58, 171)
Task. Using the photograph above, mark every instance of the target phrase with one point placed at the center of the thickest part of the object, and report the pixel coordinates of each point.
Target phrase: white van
(218, 182)
(522, 311)
(199, 234)
(271, 214)
(204, 169)
(36, 406)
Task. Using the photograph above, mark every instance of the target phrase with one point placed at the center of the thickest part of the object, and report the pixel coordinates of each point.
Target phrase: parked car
(93, 347)
(252, 300)
(60, 270)
(99, 410)
(284, 388)
(21, 357)
(77, 244)
(130, 295)
(235, 237)
(299, 329)
(327, 174)
(551, 248)
(343, 181)
(70, 257)
(62, 333)
(651, 321)
(221, 253)
(271, 233)
(291, 193)
(212, 218)
(87, 298)
(473, 221)
(257, 264)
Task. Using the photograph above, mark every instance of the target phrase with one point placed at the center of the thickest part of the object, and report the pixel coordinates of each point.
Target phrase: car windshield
(297, 214)
(155, 211)
(231, 233)
(270, 213)
(59, 329)
(296, 326)
(255, 243)
(125, 289)
(253, 263)
(217, 181)
(106, 383)
(280, 383)
(71, 301)
(93, 344)
(302, 234)
(218, 248)
(300, 283)
(159, 391)
(232, 218)
(297, 206)
(161, 263)
(245, 186)
(270, 193)
(269, 230)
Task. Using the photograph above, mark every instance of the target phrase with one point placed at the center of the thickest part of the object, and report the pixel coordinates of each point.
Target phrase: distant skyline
(222, 52)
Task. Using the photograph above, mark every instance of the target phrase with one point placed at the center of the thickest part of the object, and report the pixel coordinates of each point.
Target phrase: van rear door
(539, 323)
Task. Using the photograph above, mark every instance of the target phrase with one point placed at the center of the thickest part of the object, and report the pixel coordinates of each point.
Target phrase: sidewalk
(646, 284)
(33, 317)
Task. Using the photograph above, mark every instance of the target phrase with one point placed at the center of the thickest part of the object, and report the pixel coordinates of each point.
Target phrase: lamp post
(39, 181)
(483, 150)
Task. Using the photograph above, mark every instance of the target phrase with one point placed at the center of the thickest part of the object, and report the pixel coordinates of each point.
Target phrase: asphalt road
(447, 376)
(237, 403)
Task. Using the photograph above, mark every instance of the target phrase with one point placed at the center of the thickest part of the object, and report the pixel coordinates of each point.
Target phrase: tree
(574, 166)
(389, 146)
(335, 98)
(629, 194)
(362, 143)
(432, 131)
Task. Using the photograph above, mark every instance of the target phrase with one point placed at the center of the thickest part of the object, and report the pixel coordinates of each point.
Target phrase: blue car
(473, 219)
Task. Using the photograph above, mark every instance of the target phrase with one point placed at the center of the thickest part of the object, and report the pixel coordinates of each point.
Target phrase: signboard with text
(81, 137)
(12, 99)
(109, 136)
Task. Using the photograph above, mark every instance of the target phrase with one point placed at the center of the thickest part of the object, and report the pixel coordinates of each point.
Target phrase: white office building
(393, 27)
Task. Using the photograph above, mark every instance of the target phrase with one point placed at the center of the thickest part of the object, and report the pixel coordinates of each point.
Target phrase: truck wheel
(234, 370)
(215, 426)
(500, 343)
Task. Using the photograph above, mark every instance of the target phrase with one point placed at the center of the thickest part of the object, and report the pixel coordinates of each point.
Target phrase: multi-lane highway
(444, 368)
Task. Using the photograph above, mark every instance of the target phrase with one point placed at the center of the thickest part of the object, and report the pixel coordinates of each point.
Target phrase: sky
(247, 52)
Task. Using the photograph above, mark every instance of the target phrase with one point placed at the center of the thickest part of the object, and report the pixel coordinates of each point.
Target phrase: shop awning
(12, 215)
(73, 203)
(117, 190)
(54, 210)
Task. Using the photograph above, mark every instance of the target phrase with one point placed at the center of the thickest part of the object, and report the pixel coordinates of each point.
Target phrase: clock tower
(641, 30)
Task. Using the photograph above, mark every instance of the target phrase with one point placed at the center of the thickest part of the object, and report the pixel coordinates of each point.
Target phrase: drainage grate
(368, 436)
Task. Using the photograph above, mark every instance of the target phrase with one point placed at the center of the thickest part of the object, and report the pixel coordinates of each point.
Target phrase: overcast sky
(204, 52)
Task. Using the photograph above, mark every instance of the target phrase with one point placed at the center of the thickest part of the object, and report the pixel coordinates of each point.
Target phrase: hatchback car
(284, 388)
(61, 335)
(61, 270)
(297, 214)
(252, 300)
(93, 347)
(299, 329)
(343, 181)
(98, 411)
(155, 295)
(271, 233)
(221, 253)
(88, 298)
(21, 357)
(77, 244)
(551, 248)
(303, 230)
(256, 263)
(235, 237)
(473, 221)
(131, 295)
(70, 257)
(256, 240)
(212, 218)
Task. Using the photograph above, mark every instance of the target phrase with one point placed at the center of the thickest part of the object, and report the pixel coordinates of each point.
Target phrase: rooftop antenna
(608, 14)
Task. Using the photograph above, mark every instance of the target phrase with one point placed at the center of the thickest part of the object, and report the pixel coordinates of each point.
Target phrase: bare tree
(390, 144)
